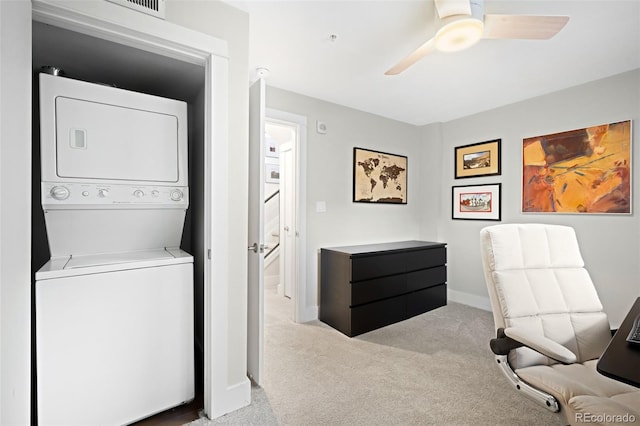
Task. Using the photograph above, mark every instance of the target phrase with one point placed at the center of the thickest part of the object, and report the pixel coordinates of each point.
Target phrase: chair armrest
(502, 344)
(541, 344)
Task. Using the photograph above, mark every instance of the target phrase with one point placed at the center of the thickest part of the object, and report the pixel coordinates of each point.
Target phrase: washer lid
(115, 258)
(69, 266)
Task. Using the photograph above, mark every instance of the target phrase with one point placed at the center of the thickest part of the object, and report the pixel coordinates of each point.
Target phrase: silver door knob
(256, 248)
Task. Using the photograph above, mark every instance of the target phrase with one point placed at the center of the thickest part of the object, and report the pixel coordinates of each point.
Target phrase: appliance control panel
(63, 195)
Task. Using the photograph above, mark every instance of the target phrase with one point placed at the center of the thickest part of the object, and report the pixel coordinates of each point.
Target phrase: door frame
(15, 225)
(301, 312)
(114, 23)
(284, 206)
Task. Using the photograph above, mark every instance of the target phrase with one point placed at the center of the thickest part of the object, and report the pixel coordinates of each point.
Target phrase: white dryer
(114, 305)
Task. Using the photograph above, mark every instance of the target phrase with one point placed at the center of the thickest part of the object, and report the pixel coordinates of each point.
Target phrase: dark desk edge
(620, 339)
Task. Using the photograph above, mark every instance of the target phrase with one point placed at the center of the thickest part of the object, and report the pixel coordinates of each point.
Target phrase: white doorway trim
(287, 210)
(15, 222)
(301, 313)
(115, 23)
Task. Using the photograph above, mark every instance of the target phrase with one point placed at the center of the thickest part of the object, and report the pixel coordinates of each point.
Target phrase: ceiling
(293, 40)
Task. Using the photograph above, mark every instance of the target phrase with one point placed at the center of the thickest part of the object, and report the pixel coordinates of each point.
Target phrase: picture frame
(271, 147)
(477, 202)
(379, 177)
(272, 173)
(478, 159)
(581, 171)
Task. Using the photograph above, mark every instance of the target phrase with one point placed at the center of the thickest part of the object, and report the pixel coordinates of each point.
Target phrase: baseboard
(235, 397)
(469, 299)
(310, 314)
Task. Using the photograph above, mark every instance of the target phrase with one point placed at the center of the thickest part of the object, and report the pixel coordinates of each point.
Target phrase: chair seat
(608, 411)
(583, 391)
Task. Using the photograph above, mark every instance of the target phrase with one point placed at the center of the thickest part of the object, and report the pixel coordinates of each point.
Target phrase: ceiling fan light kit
(462, 23)
(458, 33)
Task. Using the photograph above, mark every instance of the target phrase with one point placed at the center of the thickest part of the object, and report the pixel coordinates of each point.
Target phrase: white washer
(114, 341)
(114, 305)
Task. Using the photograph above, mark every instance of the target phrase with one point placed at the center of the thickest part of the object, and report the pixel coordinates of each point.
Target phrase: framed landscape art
(582, 171)
(476, 202)
(379, 177)
(478, 159)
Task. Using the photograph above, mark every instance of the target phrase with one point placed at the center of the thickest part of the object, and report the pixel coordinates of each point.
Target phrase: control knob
(102, 193)
(59, 193)
(138, 193)
(176, 195)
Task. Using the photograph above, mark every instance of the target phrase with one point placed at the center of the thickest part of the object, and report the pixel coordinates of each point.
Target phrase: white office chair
(550, 326)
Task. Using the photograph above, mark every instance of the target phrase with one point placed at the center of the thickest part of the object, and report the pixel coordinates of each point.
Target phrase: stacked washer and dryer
(114, 304)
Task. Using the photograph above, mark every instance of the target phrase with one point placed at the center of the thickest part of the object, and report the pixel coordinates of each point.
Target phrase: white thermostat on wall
(321, 127)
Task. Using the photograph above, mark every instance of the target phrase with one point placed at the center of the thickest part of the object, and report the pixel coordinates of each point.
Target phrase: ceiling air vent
(150, 7)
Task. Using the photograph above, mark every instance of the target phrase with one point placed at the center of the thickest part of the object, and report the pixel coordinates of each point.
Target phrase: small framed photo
(271, 147)
(476, 202)
(272, 173)
(478, 159)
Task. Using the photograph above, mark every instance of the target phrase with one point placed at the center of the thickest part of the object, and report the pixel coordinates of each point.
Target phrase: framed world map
(379, 177)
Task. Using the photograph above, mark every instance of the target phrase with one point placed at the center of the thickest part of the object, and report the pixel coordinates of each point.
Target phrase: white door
(255, 308)
(287, 215)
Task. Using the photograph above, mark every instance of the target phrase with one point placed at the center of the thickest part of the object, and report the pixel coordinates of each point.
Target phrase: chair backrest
(536, 281)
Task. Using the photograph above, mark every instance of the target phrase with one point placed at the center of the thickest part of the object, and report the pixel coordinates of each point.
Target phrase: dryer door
(101, 141)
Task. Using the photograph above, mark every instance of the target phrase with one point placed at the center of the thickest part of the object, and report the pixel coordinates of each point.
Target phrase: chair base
(543, 398)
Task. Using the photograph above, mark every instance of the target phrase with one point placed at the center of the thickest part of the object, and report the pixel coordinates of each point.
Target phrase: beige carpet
(433, 369)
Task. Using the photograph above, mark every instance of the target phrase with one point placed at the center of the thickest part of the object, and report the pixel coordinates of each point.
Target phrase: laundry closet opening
(94, 60)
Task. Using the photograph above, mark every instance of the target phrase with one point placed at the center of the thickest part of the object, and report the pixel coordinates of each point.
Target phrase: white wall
(329, 178)
(610, 244)
(430, 186)
(15, 224)
(228, 23)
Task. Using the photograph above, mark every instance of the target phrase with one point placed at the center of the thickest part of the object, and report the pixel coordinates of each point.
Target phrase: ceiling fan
(461, 23)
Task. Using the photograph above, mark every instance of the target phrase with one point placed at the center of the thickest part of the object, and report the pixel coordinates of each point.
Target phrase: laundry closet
(106, 66)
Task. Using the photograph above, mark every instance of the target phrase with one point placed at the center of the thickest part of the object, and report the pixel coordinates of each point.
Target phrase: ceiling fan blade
(413, 57)
(523, 26)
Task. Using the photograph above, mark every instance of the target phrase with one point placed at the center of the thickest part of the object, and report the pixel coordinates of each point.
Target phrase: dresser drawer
(380, 288)
(426, 278)
(425, 300)
(384, 264)
(377, 314)
(376, 289)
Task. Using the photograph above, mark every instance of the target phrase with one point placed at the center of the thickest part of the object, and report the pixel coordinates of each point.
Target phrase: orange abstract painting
(578, 171)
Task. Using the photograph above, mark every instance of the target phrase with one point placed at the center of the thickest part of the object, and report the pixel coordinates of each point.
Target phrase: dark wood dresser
(369, 286)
